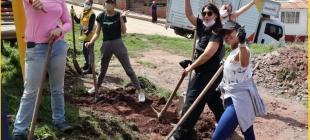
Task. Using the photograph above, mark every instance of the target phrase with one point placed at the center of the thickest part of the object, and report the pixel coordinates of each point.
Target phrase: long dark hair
(215, 10)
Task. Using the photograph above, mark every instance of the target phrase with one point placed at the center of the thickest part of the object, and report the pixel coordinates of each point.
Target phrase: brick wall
(124, 4)
(120, 4)
(161, 11)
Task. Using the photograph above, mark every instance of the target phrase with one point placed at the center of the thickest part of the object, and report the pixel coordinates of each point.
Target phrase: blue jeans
(228, 124)
(86, 53)
(35, 58)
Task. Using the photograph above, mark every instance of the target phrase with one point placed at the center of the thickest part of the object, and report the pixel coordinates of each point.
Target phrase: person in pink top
(46, 19)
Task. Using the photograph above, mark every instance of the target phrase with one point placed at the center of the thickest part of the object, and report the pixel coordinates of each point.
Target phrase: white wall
(296, 29)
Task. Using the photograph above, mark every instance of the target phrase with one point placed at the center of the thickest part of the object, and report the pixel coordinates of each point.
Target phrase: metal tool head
(185, 63)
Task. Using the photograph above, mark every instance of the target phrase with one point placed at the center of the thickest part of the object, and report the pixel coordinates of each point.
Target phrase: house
(140, 6)
(294, 16)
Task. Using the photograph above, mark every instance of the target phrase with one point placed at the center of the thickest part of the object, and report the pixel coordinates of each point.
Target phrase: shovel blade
(77, 67)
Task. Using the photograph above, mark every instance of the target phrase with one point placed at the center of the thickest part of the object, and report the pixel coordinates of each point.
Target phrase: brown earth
(286, 119)
(282, 70)
(123, 103)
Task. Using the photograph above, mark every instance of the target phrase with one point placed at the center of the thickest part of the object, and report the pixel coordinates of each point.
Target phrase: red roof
(294, 4)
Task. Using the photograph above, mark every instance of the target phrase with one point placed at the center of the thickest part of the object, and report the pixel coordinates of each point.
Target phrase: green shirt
(110, 25)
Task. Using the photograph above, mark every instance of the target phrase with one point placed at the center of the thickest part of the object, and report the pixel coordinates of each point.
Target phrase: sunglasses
(209, 13)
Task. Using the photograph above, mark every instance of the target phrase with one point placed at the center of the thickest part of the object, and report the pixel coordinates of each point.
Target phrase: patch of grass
(152, 88)
(146, 63)
(181, 46)
(288, 73)
(135, 44)
(258, 49)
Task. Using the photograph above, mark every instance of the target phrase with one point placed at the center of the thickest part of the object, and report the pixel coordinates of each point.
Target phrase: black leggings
(212, 98)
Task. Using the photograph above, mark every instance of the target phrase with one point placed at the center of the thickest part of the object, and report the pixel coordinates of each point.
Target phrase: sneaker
(141, 97)
(19, 137)
(91, 91)
(88, 71)
(64, 127)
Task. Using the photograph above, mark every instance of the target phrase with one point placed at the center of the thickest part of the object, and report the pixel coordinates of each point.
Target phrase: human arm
(96, 35)
(243, 9)
(123, 25)
(91, 24)
(189, 13)
(65, 19)
(244, 53)
(209, 52)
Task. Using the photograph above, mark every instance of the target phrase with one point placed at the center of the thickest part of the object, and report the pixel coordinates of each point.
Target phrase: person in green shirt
(112, 24)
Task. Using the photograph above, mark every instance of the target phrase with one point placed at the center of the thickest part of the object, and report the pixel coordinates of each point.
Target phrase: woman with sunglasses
(227, 14)
(112, 24)
(241, 99)
(209, 53)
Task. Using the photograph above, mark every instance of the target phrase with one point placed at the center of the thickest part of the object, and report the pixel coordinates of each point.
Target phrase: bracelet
(242, 45)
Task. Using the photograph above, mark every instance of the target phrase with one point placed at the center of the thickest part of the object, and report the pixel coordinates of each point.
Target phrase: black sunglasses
(209, 13)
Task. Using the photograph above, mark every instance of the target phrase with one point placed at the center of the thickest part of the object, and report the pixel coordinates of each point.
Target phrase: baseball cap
(229, 26)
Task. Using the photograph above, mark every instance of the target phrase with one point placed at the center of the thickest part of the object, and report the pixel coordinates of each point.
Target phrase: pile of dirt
(284, 71)
(123, 103)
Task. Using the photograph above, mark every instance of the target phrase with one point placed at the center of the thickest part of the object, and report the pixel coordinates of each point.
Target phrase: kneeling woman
(242, 101)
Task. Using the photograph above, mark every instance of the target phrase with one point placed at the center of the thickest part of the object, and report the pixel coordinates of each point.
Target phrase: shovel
(181, 99)
(183, 64)
(39, 93)
(194, 105)
(160, 114)
(75, 63)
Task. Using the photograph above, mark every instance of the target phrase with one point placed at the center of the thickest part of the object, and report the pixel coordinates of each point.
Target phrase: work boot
(64, 127)
(85, 67)
(141, 97)
(19, 137)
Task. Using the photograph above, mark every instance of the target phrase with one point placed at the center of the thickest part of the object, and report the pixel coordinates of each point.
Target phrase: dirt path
(286, 119)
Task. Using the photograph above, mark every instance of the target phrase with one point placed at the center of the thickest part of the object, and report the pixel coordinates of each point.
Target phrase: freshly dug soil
(123, 103)
(284, 71)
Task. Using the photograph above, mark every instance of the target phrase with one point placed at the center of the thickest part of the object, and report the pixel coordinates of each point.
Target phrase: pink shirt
(39, 24)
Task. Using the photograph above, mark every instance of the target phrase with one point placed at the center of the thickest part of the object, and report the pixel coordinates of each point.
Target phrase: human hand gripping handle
(241, 34)
(88, 44)
(55, 33)
(72, 11)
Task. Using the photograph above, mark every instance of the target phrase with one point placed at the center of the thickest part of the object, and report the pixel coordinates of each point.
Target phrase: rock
(284, 108)
(299, 98)
(277, 62)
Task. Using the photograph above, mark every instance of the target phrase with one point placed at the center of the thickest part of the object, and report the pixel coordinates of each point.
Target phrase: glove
(241, 35)
(72, 12)
(82, 37)
(223, 12)
(184, 63)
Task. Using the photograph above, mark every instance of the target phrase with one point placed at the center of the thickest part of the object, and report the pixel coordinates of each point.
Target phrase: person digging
(41, 27)
(208, 55)
(112, 24)
(87, 31)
